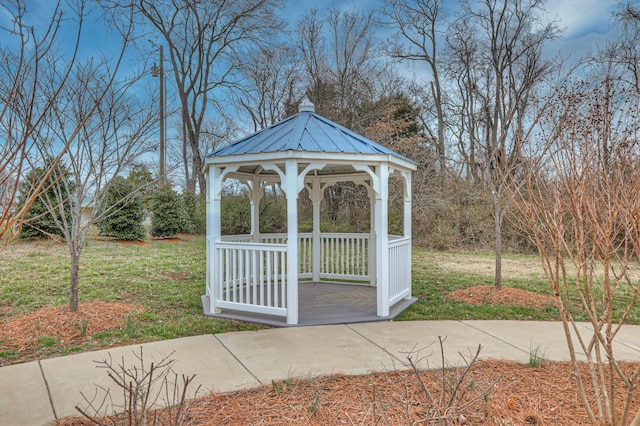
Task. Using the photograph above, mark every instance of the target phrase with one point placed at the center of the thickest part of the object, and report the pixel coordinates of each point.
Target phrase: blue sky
(587, 23)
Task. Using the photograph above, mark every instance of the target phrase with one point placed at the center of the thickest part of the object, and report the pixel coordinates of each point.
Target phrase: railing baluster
(270, 255)
(240, 274)
(261, 267)
(340, 250)
(334, 262)
(222, 277)
(276, 281)
(350, 256)
(283, 258)
(254, 276)
(323, 257)
(234, 275)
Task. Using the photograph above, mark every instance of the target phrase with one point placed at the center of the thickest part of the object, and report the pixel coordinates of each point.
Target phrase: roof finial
(306, 106)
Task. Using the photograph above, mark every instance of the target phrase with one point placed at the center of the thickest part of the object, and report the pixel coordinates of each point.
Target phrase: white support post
(214, 234)
(316, 198)
(255, 195)
(208, 218)
(407, 204)
(382, 240)
(372, 237)
(407, 222)
(290, 188)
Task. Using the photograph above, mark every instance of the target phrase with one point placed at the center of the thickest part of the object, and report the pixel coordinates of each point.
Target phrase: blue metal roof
(305, 131)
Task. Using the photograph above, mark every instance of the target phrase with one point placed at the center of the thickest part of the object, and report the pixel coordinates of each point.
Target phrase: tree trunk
(198, 172)
(440, 147)
(497, 221)
(185, 159)
(73, 289)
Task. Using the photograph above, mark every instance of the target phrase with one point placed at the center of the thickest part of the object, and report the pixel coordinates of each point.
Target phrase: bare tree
(466, 72)
(205, 40)
(510, 38)
(625, 51)
(420, 25)
(579, 203)
(272, 78)
(312, 44)
(354, 58)
(29, 90)
(342, 71)
(113, 134)
(342, 65)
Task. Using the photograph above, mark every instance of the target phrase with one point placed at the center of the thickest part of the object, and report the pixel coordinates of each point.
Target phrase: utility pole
(159, 72)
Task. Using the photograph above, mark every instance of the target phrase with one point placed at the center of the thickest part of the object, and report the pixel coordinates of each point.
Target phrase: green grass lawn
(168, 278)
(437, 274)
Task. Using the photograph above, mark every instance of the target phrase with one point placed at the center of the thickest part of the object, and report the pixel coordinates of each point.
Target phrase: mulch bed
(488, 295)
(133, 243)
(24, 334)
(519, 395)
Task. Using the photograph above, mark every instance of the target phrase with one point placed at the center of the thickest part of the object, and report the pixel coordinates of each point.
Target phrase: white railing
(399, 269)
(305, 250)
(252, 277)
(273, 238)
(344, 256)
(244, 238)
(305, 255)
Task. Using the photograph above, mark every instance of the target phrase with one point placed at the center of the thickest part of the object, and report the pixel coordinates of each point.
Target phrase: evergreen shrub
(125, 213)
(169, 214)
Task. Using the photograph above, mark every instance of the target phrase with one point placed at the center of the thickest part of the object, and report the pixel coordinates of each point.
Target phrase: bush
(273, 214)
(39, 222)
(124, 213)
(191, 203)
(144, 182)
(201, 215)
(169, 213)
(235, 216)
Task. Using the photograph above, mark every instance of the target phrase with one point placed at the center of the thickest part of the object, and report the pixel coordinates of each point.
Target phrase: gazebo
(311, 278)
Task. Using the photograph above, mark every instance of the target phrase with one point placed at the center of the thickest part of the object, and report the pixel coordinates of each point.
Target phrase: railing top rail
(399, 242)
(392, 238)
(337, 234)
(274, 235)
(235, 237)
(250, 246)
(345, 234)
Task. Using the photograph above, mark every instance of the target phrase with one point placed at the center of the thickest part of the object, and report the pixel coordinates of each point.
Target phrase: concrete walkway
(40, 392)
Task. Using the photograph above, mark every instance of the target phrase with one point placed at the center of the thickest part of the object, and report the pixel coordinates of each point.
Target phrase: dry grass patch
(519, 267)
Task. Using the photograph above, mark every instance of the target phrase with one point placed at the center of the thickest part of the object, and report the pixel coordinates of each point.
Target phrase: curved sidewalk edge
(40, 392)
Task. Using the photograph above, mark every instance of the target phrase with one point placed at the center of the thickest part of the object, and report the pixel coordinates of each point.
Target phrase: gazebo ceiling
(305, 135)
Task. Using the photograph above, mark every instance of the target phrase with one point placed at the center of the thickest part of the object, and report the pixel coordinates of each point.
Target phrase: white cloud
(581, 17)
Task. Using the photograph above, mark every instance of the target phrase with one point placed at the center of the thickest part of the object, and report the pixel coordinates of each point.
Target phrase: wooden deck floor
(324, 303)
